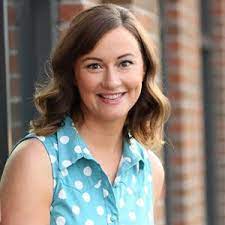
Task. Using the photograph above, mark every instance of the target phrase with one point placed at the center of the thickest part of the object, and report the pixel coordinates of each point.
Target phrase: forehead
(116, 42)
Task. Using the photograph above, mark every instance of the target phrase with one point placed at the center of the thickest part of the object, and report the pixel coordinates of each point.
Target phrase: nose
(111, 78)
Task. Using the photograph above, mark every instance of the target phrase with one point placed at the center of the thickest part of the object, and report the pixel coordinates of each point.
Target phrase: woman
(85, 160)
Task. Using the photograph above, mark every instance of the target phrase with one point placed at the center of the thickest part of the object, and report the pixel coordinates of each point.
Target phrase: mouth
(111, 98)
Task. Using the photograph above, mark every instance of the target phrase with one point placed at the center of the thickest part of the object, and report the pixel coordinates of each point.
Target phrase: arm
(158, 177)
(26, 186)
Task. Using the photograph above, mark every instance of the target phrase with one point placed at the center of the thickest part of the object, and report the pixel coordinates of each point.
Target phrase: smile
(113, 98)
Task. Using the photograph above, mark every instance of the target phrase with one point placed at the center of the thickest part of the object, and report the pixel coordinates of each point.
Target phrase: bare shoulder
(158, 175)
(26, 179)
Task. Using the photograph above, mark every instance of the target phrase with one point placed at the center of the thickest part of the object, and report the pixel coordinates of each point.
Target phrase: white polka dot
(87, 171)
(117, 179)
(89, 222)
(77, 149)
(105, 193)
(134, 179)
(76, 210)
(132, 141)
(127, 159)
(55, 146)
(129, 190)
(78, 184)
(60, 220)
(146, 153)
(150, 178)
(98, 185)
(54, 183)
(150, 215)
(41, 138)
(109, 218)
(62, 194)
(86, 151)
(133, 148)
(64, 172)
(132, 216)
(51, 208)
(140, 202)
(64, 139)
(146, 189)
(137, 168)
(121, 203)
(66, 163)
(86, 197)
(100, 210)
(52, 158)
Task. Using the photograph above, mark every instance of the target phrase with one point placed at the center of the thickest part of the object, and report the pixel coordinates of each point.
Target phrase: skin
(26, 187)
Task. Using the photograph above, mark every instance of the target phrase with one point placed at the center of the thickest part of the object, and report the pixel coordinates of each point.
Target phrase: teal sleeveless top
(83, 194)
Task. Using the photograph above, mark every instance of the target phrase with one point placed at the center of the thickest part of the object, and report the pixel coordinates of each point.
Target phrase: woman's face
(109, 78)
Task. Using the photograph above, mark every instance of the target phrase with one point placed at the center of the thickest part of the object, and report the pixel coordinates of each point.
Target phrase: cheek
(85, 83)
(135, 80)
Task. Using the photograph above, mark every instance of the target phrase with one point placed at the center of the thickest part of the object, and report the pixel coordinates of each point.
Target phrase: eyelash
(91, 66)
(127, 61)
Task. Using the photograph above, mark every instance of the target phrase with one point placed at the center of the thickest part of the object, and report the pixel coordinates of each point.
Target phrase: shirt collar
(72, 147)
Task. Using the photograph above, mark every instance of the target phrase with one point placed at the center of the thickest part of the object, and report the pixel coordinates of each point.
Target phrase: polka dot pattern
(87, 171)
(77, 149)
(76, 209)
(62, 194)
(98, 185)
(78, 184)
(60, 220)
(89, 222)
(64, 139)
(86, 197)
(105, 193)
(83, 196)
(132, 216)
(100, 210)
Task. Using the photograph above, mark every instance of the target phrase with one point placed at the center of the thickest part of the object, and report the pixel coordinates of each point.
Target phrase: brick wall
(217, 61)
(14, 74)
(186, 186)
(186, 172)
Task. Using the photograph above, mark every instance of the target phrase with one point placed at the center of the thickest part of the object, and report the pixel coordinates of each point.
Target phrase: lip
(111, 98)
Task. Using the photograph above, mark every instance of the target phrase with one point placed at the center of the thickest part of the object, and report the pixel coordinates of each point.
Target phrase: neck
(102, 136)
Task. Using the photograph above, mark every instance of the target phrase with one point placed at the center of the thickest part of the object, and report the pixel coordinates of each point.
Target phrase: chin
(113, 117)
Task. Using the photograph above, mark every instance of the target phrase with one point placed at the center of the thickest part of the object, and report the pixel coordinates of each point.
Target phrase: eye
(125, 63)
(94, 66)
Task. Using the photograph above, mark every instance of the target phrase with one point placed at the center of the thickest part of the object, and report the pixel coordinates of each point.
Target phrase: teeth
(114, 96)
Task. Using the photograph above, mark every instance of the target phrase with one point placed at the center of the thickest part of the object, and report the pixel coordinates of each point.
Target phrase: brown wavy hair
(59, 97)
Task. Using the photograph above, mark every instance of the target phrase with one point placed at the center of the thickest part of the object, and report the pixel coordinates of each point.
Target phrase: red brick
(11, 15)
(13, 64)
(68, 11)
(15, 87)
(12, 39)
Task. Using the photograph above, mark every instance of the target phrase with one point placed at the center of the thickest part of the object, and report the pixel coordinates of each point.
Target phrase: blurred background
(190, 40)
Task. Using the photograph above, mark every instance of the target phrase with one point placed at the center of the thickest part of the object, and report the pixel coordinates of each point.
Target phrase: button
(113, 218)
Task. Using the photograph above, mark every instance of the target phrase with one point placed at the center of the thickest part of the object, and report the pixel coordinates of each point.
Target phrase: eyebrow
(98, 59)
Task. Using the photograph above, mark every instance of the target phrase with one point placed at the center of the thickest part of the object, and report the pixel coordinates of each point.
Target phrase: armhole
(52, 155)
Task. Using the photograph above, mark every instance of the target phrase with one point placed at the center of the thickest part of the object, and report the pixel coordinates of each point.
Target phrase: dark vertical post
(37, 34)
(4, 127)
(208, 111)
(165, 85)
